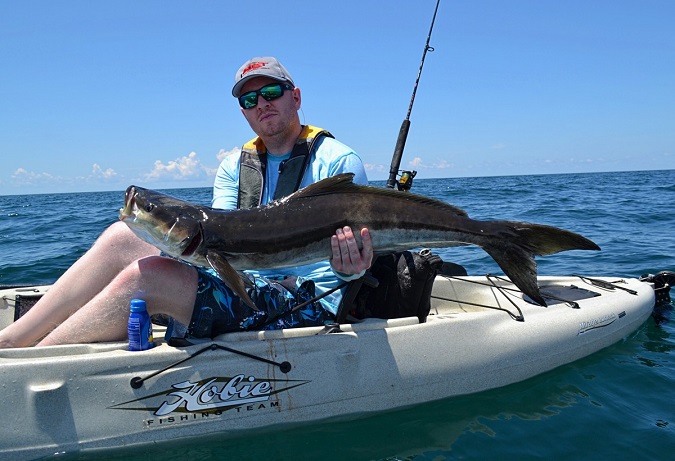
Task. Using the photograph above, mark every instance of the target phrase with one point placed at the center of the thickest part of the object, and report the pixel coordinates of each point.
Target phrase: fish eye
(149, 207)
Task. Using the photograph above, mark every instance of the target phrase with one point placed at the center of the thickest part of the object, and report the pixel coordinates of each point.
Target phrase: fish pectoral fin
(231, 277)
(248, 283)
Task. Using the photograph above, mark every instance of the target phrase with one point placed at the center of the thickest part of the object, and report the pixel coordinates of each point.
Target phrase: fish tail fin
(515, 253)
(544, 240)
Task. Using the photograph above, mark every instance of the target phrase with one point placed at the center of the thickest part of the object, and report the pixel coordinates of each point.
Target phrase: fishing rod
(405, 183)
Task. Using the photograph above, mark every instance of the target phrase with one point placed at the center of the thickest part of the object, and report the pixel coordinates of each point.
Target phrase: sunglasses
(269, 92)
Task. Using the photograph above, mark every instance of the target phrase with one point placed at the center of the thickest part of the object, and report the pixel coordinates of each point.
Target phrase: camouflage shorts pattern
(218, 310)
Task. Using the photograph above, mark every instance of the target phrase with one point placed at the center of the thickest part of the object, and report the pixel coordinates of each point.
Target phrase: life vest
(253, 161)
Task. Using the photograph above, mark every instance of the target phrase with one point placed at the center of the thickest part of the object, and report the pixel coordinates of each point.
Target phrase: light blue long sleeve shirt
(330, 158)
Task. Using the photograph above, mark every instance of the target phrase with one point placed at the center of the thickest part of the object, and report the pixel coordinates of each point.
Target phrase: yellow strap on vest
(256, 145)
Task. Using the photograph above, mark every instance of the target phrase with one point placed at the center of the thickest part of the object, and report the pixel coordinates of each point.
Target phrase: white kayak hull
(76, 397)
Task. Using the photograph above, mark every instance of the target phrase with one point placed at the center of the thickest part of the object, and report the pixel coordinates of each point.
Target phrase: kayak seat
(397, 285)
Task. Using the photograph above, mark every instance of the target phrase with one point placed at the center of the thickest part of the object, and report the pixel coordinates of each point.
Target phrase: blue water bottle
(140, 327)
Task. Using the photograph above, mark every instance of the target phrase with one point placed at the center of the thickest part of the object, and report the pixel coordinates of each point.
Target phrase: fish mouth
(195, 242)
(129, 203)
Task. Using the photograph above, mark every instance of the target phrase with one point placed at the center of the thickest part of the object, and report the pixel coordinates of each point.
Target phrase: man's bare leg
(114, 250)
(168, 286)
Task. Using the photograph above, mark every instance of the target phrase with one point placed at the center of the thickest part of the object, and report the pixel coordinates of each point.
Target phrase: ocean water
(615, 404)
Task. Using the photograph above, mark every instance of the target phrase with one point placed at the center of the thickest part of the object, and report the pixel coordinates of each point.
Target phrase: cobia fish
(296, 230)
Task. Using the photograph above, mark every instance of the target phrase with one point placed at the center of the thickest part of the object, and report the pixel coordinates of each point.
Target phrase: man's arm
(226, 186)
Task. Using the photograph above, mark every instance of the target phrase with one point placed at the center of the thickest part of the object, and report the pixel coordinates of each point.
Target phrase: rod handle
(398, 153)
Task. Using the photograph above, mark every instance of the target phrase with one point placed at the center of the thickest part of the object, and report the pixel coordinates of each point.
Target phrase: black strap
(292, 170)
(348, 303)
(252, 175)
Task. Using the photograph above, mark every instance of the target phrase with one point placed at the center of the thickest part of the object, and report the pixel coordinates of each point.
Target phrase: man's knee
(119, 238)
(172, 282)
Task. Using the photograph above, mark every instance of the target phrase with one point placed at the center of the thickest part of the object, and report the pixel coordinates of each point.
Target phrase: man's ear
(297, 97)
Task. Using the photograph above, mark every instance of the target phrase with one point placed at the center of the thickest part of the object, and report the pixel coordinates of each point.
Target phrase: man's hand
(347, 258)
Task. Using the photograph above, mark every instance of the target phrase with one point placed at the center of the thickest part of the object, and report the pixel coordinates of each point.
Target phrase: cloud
(375, 168)
(420, 164)
(98, 172)
(443, 165)
(23, 176)
(416, 162)
(182, 169)
(186, 167)
(225, 153)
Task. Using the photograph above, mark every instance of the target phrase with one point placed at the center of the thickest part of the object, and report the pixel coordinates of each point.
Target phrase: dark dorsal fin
(344, 183)
(333, 185)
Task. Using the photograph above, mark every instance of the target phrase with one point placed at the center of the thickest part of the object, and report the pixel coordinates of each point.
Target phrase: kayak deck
(450, 295)
(480, 334)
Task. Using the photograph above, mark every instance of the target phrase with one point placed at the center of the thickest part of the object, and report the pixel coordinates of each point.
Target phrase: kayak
(481, 333)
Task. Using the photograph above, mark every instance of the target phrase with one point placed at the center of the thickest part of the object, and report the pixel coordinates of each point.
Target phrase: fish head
(170, 224)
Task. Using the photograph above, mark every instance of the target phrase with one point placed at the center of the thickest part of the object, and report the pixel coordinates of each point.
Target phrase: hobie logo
(215, 394)
(209, 396)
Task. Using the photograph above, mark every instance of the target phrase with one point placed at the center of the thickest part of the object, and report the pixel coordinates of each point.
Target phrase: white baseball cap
(260, 67)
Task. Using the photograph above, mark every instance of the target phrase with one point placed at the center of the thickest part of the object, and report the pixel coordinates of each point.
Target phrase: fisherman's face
(272, 118)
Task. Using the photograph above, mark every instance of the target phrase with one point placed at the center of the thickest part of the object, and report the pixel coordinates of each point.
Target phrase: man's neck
(282, 143)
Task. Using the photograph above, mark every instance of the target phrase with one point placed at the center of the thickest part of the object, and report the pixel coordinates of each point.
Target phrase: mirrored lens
(269, 92)
(248, 100)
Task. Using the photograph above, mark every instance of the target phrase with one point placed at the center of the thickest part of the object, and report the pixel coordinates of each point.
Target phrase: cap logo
(253, 66)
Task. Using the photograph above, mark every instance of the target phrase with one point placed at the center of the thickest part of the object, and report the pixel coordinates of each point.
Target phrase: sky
(98, 95)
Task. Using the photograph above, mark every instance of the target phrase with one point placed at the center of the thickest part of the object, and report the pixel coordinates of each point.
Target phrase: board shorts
(218, 310)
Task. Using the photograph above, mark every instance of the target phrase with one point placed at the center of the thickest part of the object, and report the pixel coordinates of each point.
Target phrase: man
(90, 302)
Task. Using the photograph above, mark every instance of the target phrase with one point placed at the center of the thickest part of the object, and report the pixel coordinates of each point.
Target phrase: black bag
(404, 286)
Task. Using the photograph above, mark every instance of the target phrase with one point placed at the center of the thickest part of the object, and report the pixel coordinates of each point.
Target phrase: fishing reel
(405, 181)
